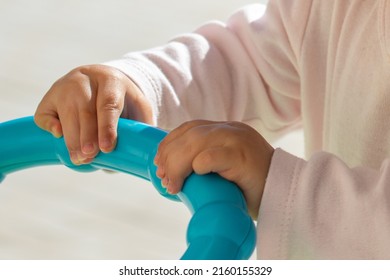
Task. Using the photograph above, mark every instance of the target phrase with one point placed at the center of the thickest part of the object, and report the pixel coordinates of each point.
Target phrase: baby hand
(84, 106)
(234, 150)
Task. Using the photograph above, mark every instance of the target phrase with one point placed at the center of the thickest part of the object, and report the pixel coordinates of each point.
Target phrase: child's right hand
(84, 106)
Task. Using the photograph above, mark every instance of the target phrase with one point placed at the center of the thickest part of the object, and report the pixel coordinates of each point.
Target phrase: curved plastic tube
(220, 227)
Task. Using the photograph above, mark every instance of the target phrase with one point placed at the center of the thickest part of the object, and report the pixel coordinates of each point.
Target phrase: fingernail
(170, 191)
(74, 158)
(88, 149)
(164, 182)
(55, 132)
(106, 145)
(81, 158)
(87, 161)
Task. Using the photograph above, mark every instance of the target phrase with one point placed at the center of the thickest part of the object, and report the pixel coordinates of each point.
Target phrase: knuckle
(184, 126)
(66, 89)
(87, 113)
(114, 75)
(109, 102)
(190, 124)
(187, 148)
(74, 77)
(110, 105)
(107, 76)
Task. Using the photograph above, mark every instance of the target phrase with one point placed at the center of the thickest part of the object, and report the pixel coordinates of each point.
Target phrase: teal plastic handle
(220, 227)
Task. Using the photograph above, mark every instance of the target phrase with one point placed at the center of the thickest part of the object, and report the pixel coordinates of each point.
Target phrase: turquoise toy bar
(220, 227)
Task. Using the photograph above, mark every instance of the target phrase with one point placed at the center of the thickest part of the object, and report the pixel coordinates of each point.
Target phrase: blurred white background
(55, 213)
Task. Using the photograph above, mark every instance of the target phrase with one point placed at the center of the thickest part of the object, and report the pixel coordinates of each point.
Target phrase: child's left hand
(234, 150)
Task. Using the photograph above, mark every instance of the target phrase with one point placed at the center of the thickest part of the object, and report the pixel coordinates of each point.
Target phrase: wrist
(254, 195)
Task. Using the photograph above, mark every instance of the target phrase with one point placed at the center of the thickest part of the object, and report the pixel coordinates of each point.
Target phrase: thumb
(217, 160)
(49, 121)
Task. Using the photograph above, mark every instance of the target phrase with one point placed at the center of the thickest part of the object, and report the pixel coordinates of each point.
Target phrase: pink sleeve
(322, 209)
(243, 70)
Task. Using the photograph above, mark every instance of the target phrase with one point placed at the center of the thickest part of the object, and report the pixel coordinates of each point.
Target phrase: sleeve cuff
(141, 78)
(276, 206)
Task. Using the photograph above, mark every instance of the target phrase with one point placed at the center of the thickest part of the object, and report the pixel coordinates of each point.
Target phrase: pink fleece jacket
(320, 65)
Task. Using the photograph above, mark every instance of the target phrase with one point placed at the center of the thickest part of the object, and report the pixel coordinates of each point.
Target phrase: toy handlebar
(220, 227)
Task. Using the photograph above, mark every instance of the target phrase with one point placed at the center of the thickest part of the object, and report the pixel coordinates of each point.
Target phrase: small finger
(160, 173)
(109, 106)
(88, 134)
(71, 129)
